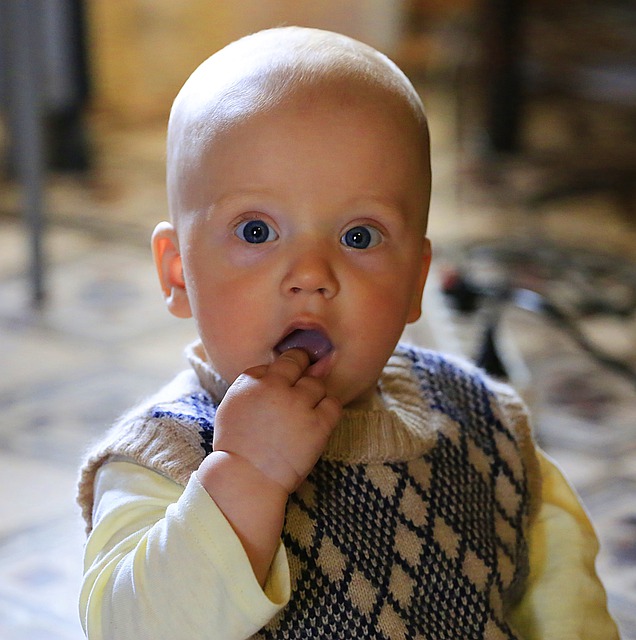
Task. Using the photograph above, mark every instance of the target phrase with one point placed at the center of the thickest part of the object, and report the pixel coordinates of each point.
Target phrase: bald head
(259, 72)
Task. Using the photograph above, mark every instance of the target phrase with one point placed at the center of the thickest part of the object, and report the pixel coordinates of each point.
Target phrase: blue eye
(361, 237)
(256, 232)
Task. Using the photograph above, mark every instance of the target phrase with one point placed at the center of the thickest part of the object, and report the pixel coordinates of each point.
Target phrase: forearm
(171, 570)
(253, 504)
(270, 429)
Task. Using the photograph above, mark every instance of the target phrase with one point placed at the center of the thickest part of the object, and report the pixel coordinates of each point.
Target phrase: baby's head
(298, 184)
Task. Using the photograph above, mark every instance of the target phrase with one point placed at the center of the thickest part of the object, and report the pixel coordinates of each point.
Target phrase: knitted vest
(413, 524)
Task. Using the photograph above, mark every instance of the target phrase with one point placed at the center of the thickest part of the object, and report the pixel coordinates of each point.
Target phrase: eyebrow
(393, 208)
(388, 206)
(237, 196)
(226, 200)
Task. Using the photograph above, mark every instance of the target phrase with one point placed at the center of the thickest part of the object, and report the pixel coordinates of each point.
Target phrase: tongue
(314, 343)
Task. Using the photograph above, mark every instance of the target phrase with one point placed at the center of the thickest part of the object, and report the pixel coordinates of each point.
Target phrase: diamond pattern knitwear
(412, 525)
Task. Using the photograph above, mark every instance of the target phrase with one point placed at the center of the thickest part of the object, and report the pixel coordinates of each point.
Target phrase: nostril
(321, 290)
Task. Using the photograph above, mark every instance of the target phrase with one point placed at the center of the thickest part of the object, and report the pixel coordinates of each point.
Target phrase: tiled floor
(104, 340)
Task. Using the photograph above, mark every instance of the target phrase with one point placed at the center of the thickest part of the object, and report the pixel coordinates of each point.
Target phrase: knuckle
(312, 384)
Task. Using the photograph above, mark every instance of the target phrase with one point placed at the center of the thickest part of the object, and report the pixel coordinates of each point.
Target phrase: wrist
(221, 466)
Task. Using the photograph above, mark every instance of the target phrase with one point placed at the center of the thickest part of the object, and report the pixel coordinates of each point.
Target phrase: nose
(311, 272)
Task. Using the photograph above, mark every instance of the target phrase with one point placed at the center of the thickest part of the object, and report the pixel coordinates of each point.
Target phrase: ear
(415, 310)
(165, 249)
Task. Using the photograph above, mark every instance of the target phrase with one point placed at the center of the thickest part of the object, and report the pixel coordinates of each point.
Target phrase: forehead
(272, 70)
(310, 131)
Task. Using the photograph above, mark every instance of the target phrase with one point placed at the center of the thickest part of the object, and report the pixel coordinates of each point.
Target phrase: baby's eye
(361, 237)
(256, 232)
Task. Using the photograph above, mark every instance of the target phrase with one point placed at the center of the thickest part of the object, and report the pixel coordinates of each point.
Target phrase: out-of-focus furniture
(547, 104)
(577, 58)
(23, 87)
(43, 85)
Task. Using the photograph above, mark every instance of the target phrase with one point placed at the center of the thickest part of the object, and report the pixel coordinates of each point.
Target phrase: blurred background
(532, 106)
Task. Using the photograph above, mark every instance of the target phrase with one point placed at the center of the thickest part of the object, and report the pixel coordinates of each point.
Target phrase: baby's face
(309, 222)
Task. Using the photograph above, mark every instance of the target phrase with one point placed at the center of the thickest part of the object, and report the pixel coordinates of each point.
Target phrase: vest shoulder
(170, 432)
(449, 373)
(460, 389)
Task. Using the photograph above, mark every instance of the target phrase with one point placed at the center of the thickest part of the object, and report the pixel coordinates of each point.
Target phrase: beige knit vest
(414, 522)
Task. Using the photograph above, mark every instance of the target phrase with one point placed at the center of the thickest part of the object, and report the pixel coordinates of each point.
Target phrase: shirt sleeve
(564, 598)
(162, 562)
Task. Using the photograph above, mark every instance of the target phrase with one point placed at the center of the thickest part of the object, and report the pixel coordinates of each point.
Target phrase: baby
(308, 477)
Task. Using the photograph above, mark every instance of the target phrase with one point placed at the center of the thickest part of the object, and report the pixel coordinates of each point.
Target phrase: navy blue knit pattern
(196, 409)
(365, 526)
(364, 565)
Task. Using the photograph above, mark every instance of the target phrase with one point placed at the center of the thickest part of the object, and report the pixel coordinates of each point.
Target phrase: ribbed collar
(402, 428)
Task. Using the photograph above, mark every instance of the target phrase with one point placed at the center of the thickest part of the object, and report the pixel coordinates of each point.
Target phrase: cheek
(230, 308)
(385, 296)
(224, 311)
(382, 309)
(216, 305)
(378, 322)
(215, 283)
(378, 339)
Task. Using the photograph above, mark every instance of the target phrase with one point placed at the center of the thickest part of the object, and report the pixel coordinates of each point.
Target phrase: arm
(564, 598)
(269, 431)
(162, 562)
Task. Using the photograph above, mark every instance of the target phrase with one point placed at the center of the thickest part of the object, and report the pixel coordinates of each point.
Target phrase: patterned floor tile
(32, 492)
(109, 296)
(33, 354)
(613, 510)
(40, 573)
(59, 418)
(160, 352)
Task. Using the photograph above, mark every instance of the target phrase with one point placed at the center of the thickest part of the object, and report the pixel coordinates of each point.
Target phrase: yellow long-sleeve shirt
(163, 562)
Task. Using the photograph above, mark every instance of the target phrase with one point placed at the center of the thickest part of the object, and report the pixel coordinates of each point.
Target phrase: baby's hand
(277, 419)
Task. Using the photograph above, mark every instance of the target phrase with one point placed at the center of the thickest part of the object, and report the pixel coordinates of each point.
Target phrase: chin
(362, 400)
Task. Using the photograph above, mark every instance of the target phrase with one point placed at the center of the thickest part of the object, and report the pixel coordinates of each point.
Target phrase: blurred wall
(143, 50)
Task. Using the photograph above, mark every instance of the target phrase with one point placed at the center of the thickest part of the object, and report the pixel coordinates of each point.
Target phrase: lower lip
(322, 367)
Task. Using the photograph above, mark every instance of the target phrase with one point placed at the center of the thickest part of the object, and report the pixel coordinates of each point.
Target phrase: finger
(290, 365)
(313, 389)
(330, 410)
(256, 372)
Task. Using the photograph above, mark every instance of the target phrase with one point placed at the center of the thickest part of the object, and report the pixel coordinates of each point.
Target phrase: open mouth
(314, 343)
